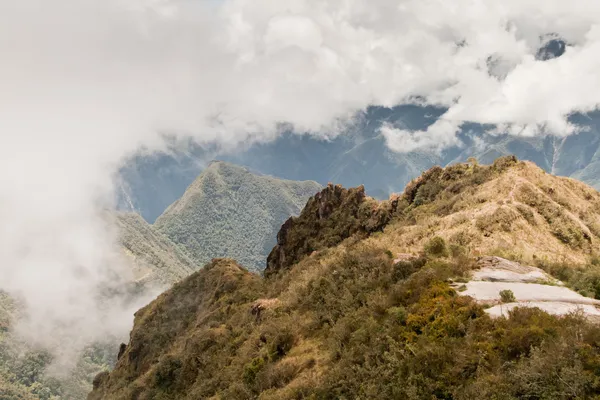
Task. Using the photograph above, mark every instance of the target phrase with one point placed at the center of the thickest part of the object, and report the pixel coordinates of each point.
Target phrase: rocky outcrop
(529, 286)
(232, 212)
(329, 217)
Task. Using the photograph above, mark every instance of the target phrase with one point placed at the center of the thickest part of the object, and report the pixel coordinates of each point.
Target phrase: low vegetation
(358, 326)
(231, 212)
(23, 369)
(371, 312)
(584, 279)
(154, 258)
(507, 296)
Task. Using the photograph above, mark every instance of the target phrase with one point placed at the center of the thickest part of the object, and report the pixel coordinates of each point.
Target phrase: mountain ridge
(228, 211)
(379, 314)
(360, 155)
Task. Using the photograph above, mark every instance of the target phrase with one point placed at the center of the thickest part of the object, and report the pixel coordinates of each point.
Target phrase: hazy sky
(83, 83)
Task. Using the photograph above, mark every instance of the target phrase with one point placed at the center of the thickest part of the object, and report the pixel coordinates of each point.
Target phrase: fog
(85, 83)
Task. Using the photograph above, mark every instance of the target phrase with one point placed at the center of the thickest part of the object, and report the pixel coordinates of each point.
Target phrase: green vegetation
(584, 279)
(230, 212)
(507, 296)
(155, 259)
(369, 330)
(357, 304)
(23, 369)
(436, 247)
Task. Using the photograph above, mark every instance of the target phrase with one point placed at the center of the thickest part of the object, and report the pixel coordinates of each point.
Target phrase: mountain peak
(388, 299)
(229, 211)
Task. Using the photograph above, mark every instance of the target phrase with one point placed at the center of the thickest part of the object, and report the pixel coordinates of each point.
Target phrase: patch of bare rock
(530, 286)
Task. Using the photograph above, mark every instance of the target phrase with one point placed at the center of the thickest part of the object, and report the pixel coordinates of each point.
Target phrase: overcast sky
(83, 83)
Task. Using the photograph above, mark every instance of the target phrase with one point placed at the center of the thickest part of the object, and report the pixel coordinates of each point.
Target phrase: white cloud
(85, 82)
(438, 136)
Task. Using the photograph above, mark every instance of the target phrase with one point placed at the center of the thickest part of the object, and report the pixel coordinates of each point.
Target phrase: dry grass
(341, 315)
(520, 211)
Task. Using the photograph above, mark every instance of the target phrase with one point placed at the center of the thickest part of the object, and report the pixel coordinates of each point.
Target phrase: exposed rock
(499, 269)
(100, 379)
(531, 287)
(488, 292)
(551, 307)
(329, 217)
(122, 349)
(261, 305)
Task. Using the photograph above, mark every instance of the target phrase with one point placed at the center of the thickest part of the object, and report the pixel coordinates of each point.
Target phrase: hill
(364, 299)
(154, 259)
(156, 264)
(230, 212)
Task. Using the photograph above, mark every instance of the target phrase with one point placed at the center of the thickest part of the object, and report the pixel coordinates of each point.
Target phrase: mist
(86, 83)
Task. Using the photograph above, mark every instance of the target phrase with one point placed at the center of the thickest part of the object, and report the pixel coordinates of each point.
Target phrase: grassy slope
(349, 322)
(523, 212)
(230, 212)
(153, 256)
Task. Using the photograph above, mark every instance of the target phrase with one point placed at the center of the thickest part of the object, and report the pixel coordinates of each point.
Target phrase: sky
(85, 83)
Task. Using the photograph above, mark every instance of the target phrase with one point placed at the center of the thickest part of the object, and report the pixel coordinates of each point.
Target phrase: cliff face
(367, 299)
(329, 217)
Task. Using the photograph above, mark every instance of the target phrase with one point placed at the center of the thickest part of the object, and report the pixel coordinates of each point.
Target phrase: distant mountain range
(151, 182)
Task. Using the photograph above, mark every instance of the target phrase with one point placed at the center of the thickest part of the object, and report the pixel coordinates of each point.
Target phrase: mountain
(156, 264)
(149, 182)
(229, 211)
(359, 155)
(369, 299)
(23, 367)
(154, 259)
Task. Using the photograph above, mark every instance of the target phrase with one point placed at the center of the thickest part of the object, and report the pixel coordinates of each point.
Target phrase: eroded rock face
(329, 217)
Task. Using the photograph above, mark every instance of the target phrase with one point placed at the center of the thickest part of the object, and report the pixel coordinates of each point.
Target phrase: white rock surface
(525, 292)
(531, 287)
(499, 269)
(551, 307)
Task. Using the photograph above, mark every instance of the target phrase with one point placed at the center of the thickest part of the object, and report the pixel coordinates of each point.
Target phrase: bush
(436, 247)
(507, 296)
(457, 250)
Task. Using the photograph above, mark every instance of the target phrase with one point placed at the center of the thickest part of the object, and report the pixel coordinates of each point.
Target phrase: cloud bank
(84, 83)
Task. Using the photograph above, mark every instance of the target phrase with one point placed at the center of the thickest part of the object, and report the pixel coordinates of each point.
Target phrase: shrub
(526, 213)
(457, 250)
(397, 314)
(252, 369)
(507, 296)
(436, 247)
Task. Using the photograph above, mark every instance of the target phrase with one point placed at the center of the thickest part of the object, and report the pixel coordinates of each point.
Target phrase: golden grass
(509, 213)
